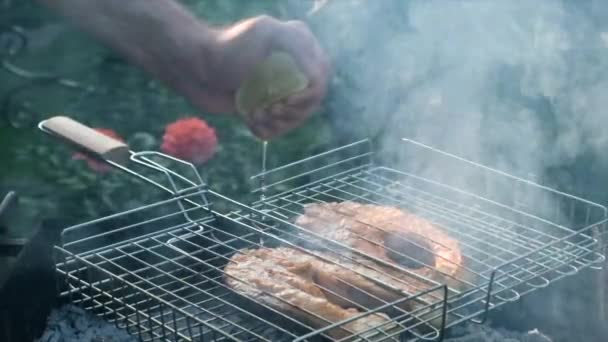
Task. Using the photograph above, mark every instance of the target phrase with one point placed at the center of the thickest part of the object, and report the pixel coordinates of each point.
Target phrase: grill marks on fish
(391, 235)
(321, 288)
(304, 287)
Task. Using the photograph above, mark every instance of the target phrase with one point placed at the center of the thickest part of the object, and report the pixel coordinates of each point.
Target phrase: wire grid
(92, 240)
(515, 238)
(164, 280)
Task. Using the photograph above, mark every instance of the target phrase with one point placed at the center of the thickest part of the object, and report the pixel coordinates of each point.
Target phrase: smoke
(518, 85)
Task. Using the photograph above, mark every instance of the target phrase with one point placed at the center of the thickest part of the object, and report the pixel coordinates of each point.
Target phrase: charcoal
(72, 324)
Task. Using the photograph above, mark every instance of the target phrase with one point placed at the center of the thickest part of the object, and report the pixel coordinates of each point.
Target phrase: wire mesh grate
(515, 236)
(160, 270)
(169, 281)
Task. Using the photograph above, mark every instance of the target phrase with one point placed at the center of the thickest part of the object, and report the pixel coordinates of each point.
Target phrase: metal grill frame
(88, 261)
(143, 300)
(90, 256)
(569, 246)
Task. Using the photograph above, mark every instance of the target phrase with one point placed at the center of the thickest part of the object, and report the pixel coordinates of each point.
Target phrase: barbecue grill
(158, 270)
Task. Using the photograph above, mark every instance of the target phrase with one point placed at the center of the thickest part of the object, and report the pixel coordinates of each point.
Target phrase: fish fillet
(304, 287)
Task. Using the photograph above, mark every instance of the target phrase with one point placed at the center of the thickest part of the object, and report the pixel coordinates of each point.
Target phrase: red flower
(95, 164)
(190, 139)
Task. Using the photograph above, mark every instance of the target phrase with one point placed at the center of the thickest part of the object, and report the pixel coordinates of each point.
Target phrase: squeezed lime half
(276, 78)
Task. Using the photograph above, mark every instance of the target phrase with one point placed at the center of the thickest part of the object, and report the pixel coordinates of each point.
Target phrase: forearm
(155, 35)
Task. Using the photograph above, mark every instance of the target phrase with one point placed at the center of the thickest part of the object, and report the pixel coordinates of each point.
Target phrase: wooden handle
(88, 139)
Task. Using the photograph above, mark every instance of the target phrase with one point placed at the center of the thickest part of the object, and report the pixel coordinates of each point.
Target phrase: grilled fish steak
(406, 251)
(392, 235)
(307, 288)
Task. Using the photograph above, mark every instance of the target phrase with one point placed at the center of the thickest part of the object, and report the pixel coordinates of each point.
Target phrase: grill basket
(158, 270)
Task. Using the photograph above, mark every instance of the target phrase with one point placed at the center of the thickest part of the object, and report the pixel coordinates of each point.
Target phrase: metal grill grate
(516, 236)
(166, 280)
(159, 270)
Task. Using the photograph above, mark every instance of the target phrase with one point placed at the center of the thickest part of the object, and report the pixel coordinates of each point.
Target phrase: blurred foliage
(51, 68)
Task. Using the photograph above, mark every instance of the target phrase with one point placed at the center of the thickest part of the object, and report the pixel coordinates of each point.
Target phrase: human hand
(232, 53)
(205, 64)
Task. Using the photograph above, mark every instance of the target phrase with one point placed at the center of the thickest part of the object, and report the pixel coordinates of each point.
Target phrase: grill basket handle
(87, 139)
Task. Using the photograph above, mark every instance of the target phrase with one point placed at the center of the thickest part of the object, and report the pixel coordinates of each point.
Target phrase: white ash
(73, 324)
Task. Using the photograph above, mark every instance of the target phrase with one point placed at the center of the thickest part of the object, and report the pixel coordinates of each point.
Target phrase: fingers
(300, 42)
(277, 120)
(285, 115)
(315, 64)
(261, 128)
(295, 38)
(309, 97)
